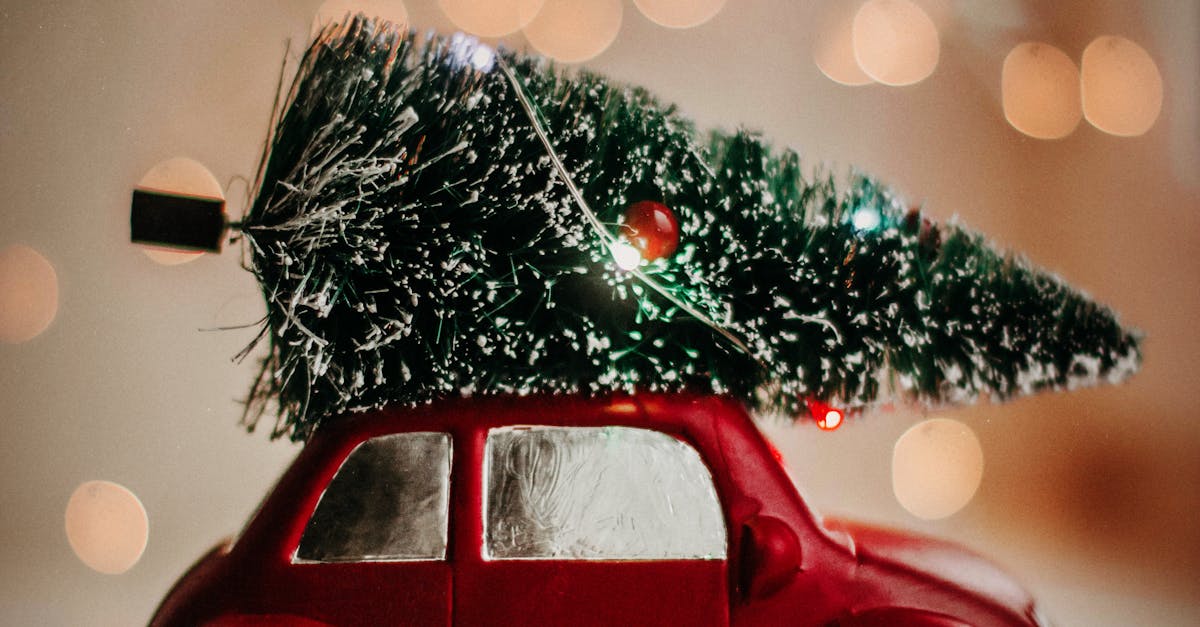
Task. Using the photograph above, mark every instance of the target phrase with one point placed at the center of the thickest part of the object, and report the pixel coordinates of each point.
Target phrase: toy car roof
(680, 412)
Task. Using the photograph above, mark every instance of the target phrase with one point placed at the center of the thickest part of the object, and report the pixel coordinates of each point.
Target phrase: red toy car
(632, 510)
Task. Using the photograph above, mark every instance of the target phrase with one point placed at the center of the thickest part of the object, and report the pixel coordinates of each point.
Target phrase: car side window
(598, 493)
(389, 501)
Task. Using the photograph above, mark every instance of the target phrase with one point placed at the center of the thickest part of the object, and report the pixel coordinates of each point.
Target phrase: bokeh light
(184, 176)
(107, 526)
(572, 31)
(936, 468)
(334, 11)
(28, 293)
(1039, 87)
(895, 42)
(679, 13)
(491, 18)
(833, 48)
(1121, 87)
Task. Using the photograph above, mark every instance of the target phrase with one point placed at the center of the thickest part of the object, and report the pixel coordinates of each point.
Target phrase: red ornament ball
(652, 228)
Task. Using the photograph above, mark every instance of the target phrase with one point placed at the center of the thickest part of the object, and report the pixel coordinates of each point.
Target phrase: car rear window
(598, 493)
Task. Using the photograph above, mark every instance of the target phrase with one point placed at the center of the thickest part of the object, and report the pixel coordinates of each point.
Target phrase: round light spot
(833, 49)
(334, 11)
(895, 42)
(626, 255)
(28, 294)
(679, 13)
(106, 526)
(1121, 87)
(491, 18)
(184, 176)
(936, 468)
(572, 31)
(866, 219)
(1039, 89)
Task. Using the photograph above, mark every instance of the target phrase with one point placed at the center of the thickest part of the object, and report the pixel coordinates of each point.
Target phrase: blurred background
(1068, 130)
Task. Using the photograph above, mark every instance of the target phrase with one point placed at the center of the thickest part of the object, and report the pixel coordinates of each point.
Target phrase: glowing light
(895, 42)
(334, 11)
(679, 13)
(833, 50)
(936, 468)
(106, 526)
(572, 31)
(866, 219)
(831, 421)
(491, 18)
(183, 176)
(483, 58)
(626, 255)
(1121, 87)
(466, 50)
(827, 418)
(28, 294)
(1039, 88)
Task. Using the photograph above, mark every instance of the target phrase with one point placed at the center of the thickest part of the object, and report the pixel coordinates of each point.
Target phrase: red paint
(652, 228)
(784, 567)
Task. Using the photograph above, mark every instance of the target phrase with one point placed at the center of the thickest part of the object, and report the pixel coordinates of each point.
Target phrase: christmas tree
(435, 218)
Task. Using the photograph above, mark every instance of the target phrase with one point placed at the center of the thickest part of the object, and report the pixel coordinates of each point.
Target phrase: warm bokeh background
(1092, 498)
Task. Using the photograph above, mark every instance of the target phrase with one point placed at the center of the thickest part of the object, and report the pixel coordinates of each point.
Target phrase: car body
(644, 509)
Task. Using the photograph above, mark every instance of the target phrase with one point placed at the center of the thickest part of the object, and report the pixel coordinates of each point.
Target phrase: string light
(866, 219)
(626, 256)
(828, 418)
(466, 50)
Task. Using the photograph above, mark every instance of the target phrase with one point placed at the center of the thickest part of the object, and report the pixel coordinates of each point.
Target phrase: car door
(373, 551)
(592, 526)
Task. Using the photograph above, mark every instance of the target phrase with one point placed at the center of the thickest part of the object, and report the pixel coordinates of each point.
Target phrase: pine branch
(413, 241)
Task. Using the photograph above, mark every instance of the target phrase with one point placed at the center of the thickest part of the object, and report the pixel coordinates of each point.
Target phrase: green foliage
(414, 241)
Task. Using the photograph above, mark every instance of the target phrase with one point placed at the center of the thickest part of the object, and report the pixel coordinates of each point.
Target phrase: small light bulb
(467, 50)
(866, 219)
(627, 257)
(827, 418)
(483, 58)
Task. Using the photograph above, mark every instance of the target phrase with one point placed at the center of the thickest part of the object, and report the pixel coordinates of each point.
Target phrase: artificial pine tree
(416, 239)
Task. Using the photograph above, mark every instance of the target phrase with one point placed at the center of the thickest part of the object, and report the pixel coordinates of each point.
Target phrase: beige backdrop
(1091, 497)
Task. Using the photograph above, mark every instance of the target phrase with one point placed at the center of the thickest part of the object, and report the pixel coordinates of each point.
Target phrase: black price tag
(176, 221)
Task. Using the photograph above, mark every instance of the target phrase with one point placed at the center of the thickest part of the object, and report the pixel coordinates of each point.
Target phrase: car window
(388, 501)
(605, 493)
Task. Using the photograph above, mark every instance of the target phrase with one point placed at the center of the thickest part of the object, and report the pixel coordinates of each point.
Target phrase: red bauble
(652, 228)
